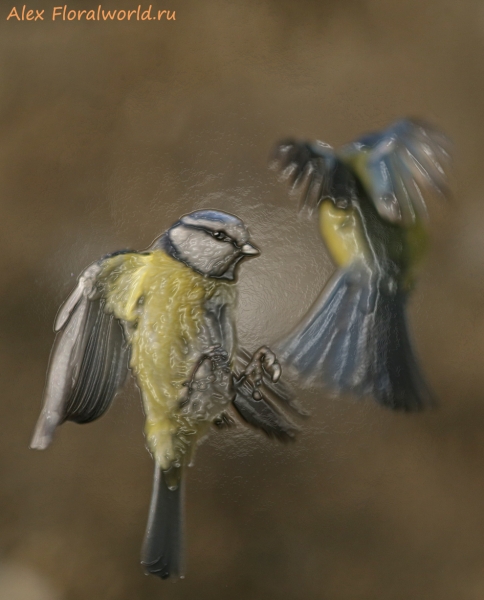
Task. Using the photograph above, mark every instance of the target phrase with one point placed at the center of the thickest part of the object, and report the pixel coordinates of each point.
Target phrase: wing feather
(400, 167)
(104, 358)
(89, 361)
(312, 171)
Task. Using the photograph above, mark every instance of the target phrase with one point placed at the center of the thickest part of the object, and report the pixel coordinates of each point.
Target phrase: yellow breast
(343, 234)
(161, 301)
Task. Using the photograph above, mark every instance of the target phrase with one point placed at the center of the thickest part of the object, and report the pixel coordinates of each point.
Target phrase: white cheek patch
(201, 251)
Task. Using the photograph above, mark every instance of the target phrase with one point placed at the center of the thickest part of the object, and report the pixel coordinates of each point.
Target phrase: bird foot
(263, 361)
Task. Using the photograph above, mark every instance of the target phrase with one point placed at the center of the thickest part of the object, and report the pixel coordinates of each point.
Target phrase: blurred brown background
(110, 131)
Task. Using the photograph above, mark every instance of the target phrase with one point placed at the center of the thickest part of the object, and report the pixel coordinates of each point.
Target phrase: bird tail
(162, 552)
(355, 340)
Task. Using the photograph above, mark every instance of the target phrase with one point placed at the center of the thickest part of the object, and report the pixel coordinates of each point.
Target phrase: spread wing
(313, 173)
(401, 167)
(89, 361)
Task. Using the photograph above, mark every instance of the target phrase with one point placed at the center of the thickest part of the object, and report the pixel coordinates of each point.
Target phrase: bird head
(211, 242)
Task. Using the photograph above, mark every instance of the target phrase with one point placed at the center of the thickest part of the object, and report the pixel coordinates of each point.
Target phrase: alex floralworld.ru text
(63, 13)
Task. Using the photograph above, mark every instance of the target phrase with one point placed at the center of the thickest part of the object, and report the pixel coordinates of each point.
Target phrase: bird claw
(263, 361)
(276, 372)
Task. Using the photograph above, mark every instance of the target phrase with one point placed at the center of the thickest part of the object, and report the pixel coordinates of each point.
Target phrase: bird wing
(89, 362)
(400, 167)
(313, 172)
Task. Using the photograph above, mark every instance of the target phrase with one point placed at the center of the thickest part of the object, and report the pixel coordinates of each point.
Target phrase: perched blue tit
(167, 314)
(371, 199)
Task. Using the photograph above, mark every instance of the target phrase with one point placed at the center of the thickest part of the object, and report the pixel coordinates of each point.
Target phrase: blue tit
(166, 314)
(371, 200)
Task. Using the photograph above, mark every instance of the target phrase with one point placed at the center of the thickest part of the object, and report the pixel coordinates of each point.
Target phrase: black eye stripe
(219, 234)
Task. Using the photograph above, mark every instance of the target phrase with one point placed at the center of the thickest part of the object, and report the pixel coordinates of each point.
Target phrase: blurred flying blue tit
(167, 314)
(371, 198)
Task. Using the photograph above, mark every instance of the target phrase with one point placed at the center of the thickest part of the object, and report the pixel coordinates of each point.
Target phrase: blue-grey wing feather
(308, 168)
(89, 362)
(404, 165)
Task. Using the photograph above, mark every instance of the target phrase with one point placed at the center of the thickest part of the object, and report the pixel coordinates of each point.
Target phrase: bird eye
(220, 235)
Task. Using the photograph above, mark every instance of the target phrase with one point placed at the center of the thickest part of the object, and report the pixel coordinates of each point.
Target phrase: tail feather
(355, 340)
(162, 552)
(398, 380)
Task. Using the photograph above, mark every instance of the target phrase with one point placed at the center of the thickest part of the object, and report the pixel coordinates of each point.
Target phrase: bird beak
(249, 250)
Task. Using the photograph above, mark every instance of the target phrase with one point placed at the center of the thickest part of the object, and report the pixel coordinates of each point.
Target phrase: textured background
(108, 133)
